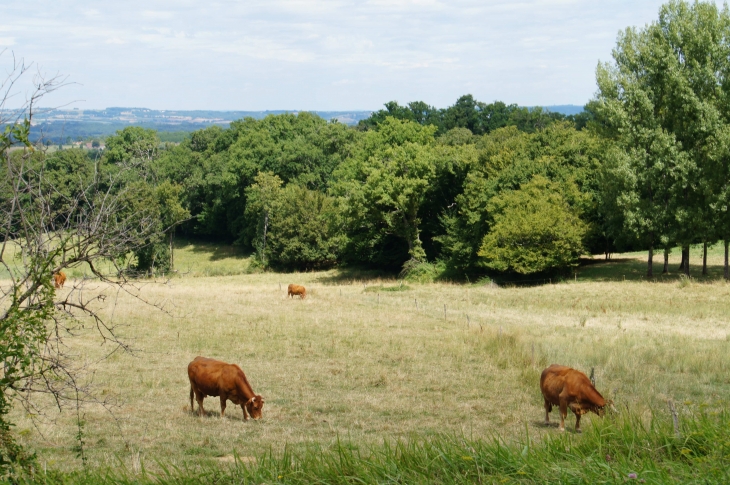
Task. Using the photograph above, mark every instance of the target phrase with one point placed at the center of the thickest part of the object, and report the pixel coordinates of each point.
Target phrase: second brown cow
(59, 279)
(569, 388)
(210, 377)
(297, 290)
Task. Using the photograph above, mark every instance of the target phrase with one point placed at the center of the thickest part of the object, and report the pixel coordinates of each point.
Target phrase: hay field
(359, 362)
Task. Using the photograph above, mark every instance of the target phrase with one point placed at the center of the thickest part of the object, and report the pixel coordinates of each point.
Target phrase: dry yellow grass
(366, 365)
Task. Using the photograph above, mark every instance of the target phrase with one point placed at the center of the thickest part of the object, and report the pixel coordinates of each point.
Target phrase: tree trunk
(650, 266)
(727, 269)
(704, 259)
(681, 265)
(415, 246)
(172, 257)
(686, 260)
(666, 261)
(266, 226)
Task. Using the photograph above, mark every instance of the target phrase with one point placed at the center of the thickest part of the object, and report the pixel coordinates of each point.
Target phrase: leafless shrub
(43, 231)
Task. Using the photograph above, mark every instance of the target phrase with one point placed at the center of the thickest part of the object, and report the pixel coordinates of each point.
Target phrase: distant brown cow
(209, 377)
(569, 388)
(59, 279)
(297, 290)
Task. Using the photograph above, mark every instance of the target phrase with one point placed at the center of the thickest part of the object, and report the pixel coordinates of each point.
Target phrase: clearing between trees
(364, 359)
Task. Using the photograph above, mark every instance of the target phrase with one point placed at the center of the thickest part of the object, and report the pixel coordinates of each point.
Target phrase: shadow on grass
(540, 423)
(216, 251)
(349, 276)
(210, 414)
(632, 269)
(554, 425)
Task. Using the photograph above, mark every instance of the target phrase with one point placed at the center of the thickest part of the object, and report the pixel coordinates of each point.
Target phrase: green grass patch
(383, 288)
(633, 266)
(618, 449)
(423, 272)
(200, 258)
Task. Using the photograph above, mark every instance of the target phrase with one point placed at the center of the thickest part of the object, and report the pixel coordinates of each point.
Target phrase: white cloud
(307, 54)
(157, 15)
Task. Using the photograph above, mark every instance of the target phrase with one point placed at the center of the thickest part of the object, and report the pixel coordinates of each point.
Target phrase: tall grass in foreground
(621, 448)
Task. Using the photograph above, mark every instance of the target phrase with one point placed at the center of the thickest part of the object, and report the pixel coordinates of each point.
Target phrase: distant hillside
(59, 125)
(566, 109)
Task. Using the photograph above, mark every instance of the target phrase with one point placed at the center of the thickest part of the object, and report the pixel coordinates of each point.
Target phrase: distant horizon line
(581, 106)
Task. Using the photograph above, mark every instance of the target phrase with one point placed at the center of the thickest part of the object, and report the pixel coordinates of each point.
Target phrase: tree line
(472, 188)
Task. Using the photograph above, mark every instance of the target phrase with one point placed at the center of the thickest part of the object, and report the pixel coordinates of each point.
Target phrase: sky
(315, 55)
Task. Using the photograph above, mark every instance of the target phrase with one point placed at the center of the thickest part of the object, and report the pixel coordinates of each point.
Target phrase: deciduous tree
(664, 99)
(383, 185)
(534, 230)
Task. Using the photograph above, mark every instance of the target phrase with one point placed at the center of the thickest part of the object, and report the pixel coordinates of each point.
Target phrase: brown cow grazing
(569, 388)
(210, 377)
(297, 290)
(59, 279)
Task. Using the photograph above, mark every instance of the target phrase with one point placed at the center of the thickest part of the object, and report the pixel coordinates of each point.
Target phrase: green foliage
(162, 205)
(422, 271)
(665, 99)
(22, 325)
(452, 163)
(416, 111)
(297, 228)
(534, 230)
(153, 257)
(216, 166)
(305, 230)
(23, 333)
(262, 197)
(382, 186)
(169, 198)
(66, 174)
(467, 113)
(133, 144)
(138, 200)
(173, 136)
(403, 194)
(509, 158)
(457, 137)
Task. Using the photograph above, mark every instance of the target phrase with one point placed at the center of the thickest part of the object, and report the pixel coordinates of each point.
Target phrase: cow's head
(601, 410)
(254, 406)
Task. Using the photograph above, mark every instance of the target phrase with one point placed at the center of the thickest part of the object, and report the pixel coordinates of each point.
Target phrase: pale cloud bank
(324, 55)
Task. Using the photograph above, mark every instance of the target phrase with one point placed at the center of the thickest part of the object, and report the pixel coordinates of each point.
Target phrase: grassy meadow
(363, 360)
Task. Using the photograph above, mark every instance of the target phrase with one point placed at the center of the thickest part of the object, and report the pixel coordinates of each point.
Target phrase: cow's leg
(223, 404)
(199, 397)
(563, 413)
(548, 408)
(577, 422)
(192, 393)
(245, 416)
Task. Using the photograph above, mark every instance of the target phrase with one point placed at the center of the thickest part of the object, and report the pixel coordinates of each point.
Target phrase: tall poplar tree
(664, 100)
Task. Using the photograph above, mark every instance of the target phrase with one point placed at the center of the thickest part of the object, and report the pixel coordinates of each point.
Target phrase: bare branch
(91, 224)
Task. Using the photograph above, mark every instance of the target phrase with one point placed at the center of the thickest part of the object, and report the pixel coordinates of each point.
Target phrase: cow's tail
(192, 409)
